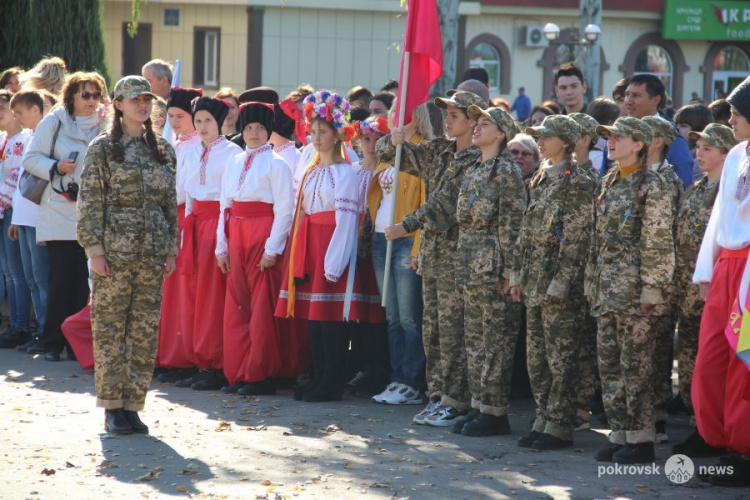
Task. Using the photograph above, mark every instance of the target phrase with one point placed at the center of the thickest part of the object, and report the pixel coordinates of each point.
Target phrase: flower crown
(378, 126)
(331, 107)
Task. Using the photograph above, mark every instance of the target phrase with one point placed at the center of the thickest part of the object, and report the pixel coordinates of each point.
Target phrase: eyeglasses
(90, 95)
(519, 152)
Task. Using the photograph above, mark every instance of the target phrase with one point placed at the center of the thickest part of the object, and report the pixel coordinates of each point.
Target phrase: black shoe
(24, 347)
(323, 392)
(661, 435)
(676, 406)
(461, 421)
(301, 390)
(606, 454)
(197, 377)
(264, 388)
(213, 383)
(550, 442)
(71, 354)
(739, 477)
(51, 356)
(487, 425)
(16, 338)
(527, 441)
(8, 332)
(116, 422)
(696, 447)
(135, 422)
(639, 453)
(36, 346)
(173, 375)
(232, 388)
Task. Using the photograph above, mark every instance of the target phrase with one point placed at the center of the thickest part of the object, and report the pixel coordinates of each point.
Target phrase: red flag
(425, 48)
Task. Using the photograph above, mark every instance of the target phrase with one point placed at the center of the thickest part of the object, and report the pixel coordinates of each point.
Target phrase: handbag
(32, 187)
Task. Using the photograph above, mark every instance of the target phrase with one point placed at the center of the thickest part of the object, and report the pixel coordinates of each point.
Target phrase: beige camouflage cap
(498, 116)
(588, 125)
(628, 126)
(131, 86)
(716, 135)
(561, 126)
(461, 99)
(662, 128)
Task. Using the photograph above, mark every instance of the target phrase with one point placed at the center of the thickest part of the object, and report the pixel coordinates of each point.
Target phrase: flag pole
(397, 168)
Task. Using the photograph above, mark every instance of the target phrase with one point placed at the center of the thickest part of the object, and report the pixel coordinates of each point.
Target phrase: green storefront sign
(706, 20)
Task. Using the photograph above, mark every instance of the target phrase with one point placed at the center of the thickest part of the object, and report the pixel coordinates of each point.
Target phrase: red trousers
(171, 351)
(721, 412)
(77, 331)
(206, 283)
(252, 351)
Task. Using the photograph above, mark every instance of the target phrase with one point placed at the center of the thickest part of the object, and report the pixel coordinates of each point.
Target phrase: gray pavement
(210, 445)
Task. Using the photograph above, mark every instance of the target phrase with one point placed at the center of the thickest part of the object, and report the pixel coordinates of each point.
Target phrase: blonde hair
(421, 116)
(48, 74)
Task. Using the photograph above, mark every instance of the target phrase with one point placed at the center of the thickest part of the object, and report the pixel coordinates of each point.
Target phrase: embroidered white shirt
(335, 187)
(305, 159)
(267, 179)
(184, 144)
(290, 154)
(205, 168)
(365, 179)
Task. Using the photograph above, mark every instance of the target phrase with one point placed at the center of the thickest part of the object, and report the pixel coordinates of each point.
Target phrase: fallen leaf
(48, 472)
(181, 488)
(333, 428)
(69, 465)
(191, 469)
(148, 477)
(223, 426)
(265, 482)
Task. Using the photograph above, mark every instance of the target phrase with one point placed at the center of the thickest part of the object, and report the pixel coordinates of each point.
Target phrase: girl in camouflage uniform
(550, 253)
(629, 270)
(695, 208)
(127, 223)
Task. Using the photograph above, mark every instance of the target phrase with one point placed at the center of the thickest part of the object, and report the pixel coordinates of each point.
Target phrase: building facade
(695, 46)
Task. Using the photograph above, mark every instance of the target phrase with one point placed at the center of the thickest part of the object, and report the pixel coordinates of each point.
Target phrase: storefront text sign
(706, 20)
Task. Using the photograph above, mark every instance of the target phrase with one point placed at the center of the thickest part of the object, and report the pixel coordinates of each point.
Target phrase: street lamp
(591, 35)
(592, 32)
(551, 31)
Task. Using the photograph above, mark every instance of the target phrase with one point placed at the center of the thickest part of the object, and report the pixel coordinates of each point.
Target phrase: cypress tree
(72, 30)
(16, 34)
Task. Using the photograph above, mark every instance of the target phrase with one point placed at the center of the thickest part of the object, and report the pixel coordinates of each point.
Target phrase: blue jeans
(403, 311)
(19, 298)
(35, 260)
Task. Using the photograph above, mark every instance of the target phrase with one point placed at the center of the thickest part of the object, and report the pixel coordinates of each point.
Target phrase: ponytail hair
(118, 152)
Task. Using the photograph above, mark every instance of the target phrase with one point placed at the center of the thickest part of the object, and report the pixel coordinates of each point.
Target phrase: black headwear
(219, 108)
(259, 94)
(740, 98)
(182, 98)
(257, 112)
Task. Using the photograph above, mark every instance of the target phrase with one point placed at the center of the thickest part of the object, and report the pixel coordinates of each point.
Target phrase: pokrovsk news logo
(679, 469)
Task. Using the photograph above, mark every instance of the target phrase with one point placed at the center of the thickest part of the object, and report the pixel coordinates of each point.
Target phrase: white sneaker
(380, 398)
(404, 395)
(431, 407)
(444, 416)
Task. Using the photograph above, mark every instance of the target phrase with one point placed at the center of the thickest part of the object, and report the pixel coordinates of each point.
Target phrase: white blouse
(305, 159)
(290, 154)
(729, 225)
(365, 179)
(24, 210)
(205, 168)
(335, 187)
(258, 175)
(184, 144)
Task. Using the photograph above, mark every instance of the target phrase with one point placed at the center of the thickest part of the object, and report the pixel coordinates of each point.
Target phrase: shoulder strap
(54, 139)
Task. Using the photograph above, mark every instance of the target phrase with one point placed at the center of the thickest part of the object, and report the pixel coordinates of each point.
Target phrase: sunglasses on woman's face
(90, 95)
(518, 152)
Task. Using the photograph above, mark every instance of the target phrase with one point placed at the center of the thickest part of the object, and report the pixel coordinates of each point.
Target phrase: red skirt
(721, 382)
(252, 351)
(171, 351)
(77, 330)
(206, 286)
(317, 299)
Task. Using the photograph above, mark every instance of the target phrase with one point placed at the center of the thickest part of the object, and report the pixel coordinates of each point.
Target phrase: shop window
(730, 67)
(206, 57)
(489, 52)
(651, 54)
(486, 56)
(654, 60)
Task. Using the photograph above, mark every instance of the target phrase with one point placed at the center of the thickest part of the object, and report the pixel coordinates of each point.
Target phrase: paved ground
(209, 445)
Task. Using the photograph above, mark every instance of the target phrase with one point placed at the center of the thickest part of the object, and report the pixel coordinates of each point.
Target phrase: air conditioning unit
(533, 36)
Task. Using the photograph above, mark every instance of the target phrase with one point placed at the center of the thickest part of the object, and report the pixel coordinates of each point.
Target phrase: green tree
(16, 34)
(72, 30)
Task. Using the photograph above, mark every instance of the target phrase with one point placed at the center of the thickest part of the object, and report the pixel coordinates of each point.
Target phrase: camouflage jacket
(668, 174)
(631, 258)
(588, 169)
(489, 209)
(555, 235)
(127, 211)
(692, 219)
(442, 169)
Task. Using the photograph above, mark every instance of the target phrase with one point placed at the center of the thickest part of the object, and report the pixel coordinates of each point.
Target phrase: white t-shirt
(383, 215)
(24, 211)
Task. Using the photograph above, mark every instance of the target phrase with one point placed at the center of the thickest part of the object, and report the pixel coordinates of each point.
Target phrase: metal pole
(397, 168)
(591, 13)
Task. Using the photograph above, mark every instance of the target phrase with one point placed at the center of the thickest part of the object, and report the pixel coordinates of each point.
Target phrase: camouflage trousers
(125, 312)
(491, 325)
(625, 346)
(687, 351)
(587, 369)
(553, 339)
(443, 339)
(662, 324)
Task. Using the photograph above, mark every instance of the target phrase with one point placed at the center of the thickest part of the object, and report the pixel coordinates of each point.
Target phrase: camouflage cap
(662, 128)
(628, 126)
(461, 99)
(716, 135)
(588, 125)
(131, 86)
(561, 126)
(498, 116)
